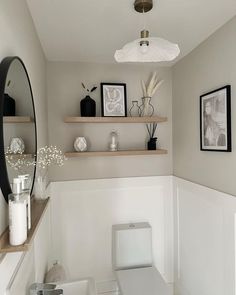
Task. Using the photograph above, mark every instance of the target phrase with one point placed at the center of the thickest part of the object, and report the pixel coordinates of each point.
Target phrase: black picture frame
(104, 100)
(215, 120)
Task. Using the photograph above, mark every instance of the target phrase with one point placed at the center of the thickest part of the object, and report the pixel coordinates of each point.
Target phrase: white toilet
(132, 261)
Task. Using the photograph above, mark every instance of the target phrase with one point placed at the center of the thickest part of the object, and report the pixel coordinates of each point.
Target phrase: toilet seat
(142, 281)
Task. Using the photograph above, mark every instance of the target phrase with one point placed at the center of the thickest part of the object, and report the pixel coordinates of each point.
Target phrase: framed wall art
(215, 120)
(114, 101)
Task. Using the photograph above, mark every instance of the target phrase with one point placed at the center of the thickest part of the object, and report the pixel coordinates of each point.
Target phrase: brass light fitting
(144, 35)
(143, 6)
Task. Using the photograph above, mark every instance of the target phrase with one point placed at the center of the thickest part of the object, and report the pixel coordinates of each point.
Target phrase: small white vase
(80, 144)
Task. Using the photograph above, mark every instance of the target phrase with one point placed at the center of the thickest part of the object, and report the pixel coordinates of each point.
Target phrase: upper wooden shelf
(17, 119)
(117, 153)
(154, 119)
(38, 208)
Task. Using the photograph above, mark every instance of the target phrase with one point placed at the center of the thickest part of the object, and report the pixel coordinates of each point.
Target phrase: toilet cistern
(133, 262)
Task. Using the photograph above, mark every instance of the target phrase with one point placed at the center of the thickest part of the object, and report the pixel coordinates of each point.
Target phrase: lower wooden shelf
(118, 153)
(18, 119)
(19, 156)
(38, 208)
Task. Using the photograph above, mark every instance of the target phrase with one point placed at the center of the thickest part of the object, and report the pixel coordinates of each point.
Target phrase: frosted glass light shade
(158, 50)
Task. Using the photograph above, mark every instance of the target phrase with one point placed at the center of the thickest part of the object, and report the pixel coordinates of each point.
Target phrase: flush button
(131, 225)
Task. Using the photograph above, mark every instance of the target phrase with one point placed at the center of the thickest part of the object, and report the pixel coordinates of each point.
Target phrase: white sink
(78, 287)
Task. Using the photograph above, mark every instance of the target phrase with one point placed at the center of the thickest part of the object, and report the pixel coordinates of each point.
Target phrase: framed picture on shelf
(114, 101)
(215, 120)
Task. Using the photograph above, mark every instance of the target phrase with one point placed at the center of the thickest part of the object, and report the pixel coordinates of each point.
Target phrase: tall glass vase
(40, 186)
(147, 108)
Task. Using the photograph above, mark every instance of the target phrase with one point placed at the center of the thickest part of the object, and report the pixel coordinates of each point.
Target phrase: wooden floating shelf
(38, 209)
(154, 119)
(115, 154)
(17, 119)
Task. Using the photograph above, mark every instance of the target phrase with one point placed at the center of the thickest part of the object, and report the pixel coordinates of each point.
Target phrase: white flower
(48, 156)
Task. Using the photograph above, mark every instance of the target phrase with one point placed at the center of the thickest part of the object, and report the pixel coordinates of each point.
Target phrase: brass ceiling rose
(143, 5)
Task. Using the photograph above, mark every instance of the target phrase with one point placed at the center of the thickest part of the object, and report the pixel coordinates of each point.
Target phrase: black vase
(87, 107)
(9, 106)
(152, 144)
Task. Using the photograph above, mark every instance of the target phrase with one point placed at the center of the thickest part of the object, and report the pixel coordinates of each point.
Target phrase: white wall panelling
(24, 276)
(204, 229)
(83, 213)
(8, 265)
(204, 240)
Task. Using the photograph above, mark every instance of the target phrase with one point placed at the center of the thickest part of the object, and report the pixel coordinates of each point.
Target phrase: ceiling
(91, 30)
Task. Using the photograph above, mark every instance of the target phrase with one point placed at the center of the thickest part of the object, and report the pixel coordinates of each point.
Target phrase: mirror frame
(4, 179)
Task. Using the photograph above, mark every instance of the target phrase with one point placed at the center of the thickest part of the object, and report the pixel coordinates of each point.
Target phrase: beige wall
(64, 95)
(208, 67)
(18, 37)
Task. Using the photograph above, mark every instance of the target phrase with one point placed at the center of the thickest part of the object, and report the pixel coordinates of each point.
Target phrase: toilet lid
(142, 281)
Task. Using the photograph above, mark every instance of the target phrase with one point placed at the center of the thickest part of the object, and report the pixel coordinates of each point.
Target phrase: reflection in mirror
(19, 127)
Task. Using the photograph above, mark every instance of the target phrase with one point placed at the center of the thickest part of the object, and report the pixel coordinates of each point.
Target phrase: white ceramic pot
(80, 144)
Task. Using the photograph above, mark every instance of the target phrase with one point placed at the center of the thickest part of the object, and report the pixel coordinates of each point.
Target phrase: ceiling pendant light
(147, 49)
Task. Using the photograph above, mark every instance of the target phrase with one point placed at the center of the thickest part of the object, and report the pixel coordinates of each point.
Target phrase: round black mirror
(18, 134)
